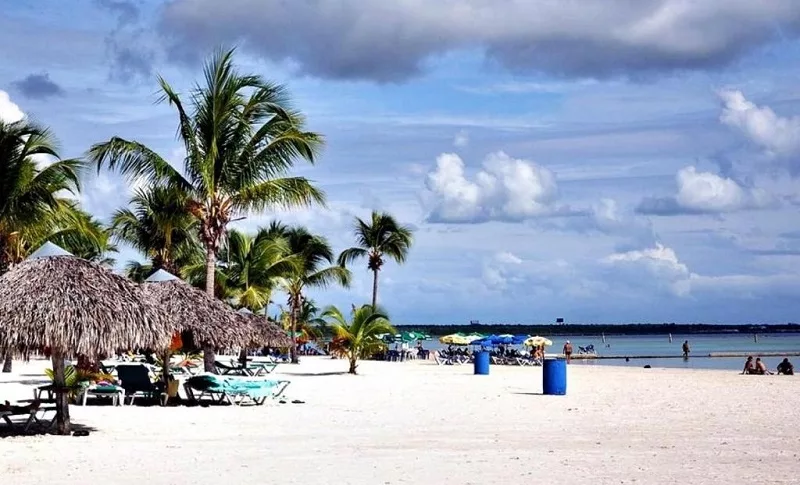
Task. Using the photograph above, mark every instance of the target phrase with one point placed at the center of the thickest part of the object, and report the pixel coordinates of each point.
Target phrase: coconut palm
(377, 238)
(81, 234)
(34, 199)
(359, 338)
(157, 224)
(310, 325)
(253, 266)
(241, 138)
(30, 196)
(316, 269)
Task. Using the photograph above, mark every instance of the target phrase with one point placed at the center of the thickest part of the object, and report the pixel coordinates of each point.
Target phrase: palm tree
(359, 338)
(241, 138)
(310, 325)
(382, 236)
(253, 266)
(30, 196)
(34, 202)
(83, 235)
(157, 224)
(315, 270)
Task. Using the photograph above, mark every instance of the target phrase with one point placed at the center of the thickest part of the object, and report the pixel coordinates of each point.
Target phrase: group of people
(758, 367)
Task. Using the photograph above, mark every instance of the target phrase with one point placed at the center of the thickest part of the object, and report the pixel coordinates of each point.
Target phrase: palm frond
(135, 161)
(350, 255)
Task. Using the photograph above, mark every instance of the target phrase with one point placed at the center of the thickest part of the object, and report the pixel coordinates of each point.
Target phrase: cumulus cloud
(38, 86)
(461, 139)
(505, 189)
(389, 41)
(9, 111)
(777, 135)
(659, 263)
(705, 193)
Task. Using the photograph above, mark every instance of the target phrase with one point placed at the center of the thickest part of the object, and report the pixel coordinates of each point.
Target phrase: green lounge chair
(234, 391)
(135, 380)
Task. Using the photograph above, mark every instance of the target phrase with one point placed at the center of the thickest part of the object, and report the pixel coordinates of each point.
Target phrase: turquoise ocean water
(700, 344)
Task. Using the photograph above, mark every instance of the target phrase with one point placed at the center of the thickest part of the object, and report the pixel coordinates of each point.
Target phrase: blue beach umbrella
(519, 339)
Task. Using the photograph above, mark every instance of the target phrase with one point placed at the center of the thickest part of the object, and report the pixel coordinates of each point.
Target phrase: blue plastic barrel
(554, 377)
(482, 363)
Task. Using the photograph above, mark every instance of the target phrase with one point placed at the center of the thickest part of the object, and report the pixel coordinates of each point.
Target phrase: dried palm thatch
(265, 332)
(212, 322)
(75, 307)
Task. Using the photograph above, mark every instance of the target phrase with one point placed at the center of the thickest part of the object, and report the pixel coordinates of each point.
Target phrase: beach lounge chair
(233, 369)
(35, 413)
(232, 390)
(135, 380)
(103, 390)
(257, 368)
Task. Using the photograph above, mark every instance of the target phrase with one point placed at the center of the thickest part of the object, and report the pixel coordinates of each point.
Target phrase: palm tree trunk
(353, 365)
(374, 289)
(62, 396)
(295, 312)
(209, 357)
(4, 266)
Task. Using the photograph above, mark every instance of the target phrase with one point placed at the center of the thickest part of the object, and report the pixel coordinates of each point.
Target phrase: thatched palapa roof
(75, 307)
(211, 321)
(267, 333)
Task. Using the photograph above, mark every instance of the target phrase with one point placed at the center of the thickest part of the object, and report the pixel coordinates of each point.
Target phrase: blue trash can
(554, 377)
(482, 363)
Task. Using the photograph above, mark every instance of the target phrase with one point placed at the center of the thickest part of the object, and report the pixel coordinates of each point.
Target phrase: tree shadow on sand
(28, 382)
(17, 430)
(315, 374)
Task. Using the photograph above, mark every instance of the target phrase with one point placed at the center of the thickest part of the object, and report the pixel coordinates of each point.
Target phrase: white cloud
(9, 112)
(461, 140)
(505, 189)
(706, 192)
(777, 135)
(506, 257)
(658, 262)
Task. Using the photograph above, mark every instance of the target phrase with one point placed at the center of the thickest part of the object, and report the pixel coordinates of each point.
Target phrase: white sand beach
(425, 424)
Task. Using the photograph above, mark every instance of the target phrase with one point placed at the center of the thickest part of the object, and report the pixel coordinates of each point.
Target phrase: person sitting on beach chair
(761, 368)
(785, 368)
(749, 366)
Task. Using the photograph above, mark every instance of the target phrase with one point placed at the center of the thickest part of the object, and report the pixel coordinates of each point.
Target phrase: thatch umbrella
(55, 301)
(267, 333)
(211, 322)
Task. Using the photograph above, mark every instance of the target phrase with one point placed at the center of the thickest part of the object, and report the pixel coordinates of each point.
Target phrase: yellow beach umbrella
(537, 341)
(456, 339)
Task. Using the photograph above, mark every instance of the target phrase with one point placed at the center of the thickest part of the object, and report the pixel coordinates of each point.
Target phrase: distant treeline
(594, 329)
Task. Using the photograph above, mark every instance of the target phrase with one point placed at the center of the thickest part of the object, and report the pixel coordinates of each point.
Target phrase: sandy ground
(425, 424)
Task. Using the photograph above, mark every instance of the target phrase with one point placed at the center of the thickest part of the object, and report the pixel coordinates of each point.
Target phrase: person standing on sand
(568, 351)
(686, 349)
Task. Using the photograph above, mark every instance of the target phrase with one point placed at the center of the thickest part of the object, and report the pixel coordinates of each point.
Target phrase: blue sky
(611, 161)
